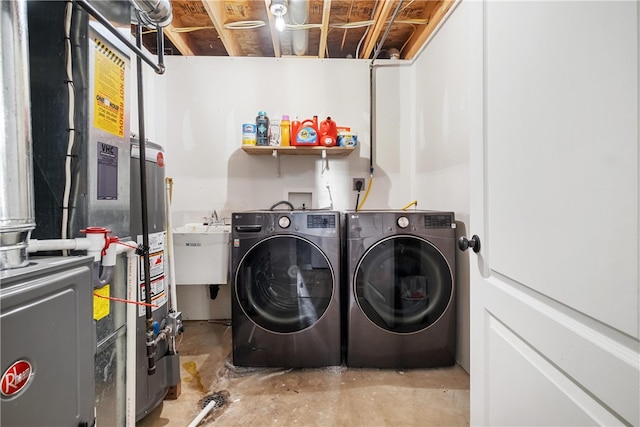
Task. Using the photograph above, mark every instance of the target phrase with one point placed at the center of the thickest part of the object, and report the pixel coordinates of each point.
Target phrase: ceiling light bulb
(278, 7)
(280, 24)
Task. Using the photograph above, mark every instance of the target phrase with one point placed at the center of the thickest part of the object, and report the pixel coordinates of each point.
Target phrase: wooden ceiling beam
(416, 42)
(215, 10)
(275, 35)
(324, 30)
(179, 40)
(380, 18)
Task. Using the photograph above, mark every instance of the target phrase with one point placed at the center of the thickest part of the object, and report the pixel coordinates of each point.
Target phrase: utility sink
(201, 253)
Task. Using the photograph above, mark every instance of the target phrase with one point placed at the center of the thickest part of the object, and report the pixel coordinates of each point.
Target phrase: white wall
(439, 153)
(205, 101)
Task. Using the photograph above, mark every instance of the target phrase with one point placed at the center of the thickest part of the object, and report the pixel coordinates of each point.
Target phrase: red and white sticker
(160, 159)
(15, 378)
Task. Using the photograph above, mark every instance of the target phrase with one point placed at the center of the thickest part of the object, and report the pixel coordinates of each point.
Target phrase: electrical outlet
(358, 182)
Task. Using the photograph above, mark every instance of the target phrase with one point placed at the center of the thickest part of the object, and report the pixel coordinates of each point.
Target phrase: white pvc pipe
(203, 414)
(81, 244)
(132, 295)
(172, 265)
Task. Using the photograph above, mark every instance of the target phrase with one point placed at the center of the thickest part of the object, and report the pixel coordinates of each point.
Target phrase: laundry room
(310, 212)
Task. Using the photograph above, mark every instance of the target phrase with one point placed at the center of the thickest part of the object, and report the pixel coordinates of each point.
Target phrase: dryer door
(403, 284)
(284, 283)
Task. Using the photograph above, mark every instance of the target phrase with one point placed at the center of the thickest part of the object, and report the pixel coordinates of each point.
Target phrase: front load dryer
(285, 269)
(401, 294)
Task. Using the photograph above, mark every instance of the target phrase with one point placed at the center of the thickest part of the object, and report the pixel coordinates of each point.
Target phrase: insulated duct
(153, 12)
(298, 15)
(16, 170)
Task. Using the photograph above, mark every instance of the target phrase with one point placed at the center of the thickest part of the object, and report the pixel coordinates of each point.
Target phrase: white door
(554, 200)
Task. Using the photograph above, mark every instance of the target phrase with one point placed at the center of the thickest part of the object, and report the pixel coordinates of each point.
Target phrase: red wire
(124, 244)
(126, 300)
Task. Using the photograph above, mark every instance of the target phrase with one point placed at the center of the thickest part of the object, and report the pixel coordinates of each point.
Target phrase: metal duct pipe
(298, 15)
(153, 12)
(16, 169)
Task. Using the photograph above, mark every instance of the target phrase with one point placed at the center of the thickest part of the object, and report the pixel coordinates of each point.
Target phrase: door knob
(474, 243)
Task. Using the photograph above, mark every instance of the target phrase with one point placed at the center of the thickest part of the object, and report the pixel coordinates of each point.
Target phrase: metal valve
(474, 243)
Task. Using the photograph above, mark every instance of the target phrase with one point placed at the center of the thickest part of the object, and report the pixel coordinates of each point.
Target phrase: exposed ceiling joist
(324, 30)
(237, 28)
(381, 17)
(179, 40)
(215, 9)
(416, 42)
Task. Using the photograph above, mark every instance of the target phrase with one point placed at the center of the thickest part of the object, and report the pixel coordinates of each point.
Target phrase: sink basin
(196, 227)
(201, 253)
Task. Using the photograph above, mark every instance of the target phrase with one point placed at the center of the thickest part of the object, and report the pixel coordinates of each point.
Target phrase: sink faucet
(213, 219)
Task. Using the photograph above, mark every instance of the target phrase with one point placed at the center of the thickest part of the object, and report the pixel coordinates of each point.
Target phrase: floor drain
(218, 398)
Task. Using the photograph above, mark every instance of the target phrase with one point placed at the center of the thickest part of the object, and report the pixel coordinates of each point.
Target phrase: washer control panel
(321, 221)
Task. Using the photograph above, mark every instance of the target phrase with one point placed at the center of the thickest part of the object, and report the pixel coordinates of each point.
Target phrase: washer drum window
(284, 284)
(403, 284)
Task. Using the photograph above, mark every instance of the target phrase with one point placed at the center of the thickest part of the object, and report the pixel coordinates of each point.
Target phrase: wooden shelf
(315, 150)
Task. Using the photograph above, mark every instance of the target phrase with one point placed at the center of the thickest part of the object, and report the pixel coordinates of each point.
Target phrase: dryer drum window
(403, 284)
(284, 284)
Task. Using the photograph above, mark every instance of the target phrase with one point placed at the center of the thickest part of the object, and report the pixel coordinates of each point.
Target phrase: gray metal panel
(107, 145)
(46, 319)
(150, 389)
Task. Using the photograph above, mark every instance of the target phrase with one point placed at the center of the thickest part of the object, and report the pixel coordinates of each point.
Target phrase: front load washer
(286, 288)
(401, 310)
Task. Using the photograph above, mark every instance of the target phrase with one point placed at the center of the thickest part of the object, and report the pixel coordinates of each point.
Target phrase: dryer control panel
(438, 220)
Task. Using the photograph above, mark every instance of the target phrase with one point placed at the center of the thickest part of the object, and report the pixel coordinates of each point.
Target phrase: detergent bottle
(285, 131)
(295, 126)
(262, 128)
(307, 133)
(328, 133)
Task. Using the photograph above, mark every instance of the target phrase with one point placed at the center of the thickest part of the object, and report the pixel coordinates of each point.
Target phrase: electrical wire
(125, 300)
(244, 25)
(71, 122)
(373, 12)
(296, 27)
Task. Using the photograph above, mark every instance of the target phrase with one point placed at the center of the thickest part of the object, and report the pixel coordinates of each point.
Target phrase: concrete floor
(333, 396)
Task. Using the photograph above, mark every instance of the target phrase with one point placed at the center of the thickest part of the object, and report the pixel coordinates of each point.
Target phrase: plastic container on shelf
(346, 138)
(328, 133)
(274, 133)
(262, 128)
(306, 134)
(249, 134)
(295, 126)
(285, 131)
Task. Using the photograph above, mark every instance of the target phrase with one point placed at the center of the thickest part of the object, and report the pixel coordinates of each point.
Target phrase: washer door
(284, 284)
(403, 284)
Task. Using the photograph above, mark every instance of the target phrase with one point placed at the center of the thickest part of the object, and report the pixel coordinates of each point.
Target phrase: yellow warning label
(101, 305)
(108, 111)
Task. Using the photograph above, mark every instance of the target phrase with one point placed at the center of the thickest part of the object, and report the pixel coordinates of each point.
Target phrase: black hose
(282, 202)
(357, 201)
(143, 202)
